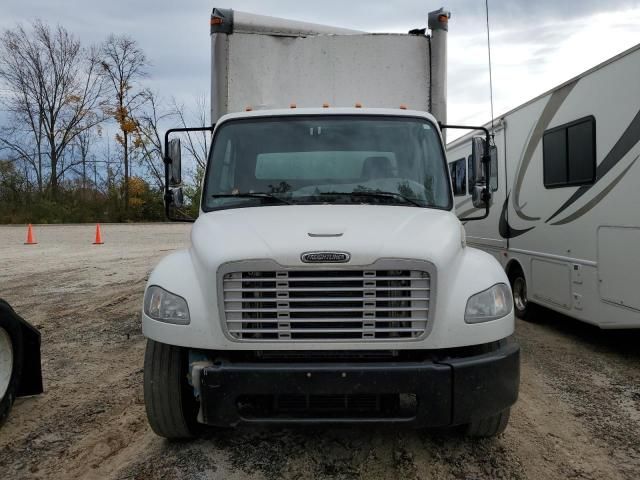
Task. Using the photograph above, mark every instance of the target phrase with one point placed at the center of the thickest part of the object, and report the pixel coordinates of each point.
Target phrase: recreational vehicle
(566, 219)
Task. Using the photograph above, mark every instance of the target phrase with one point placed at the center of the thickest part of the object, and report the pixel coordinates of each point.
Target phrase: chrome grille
(357, 305)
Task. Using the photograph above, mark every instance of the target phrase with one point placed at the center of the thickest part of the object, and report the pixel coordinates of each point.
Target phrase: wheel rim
(6, 361)
(520, 294)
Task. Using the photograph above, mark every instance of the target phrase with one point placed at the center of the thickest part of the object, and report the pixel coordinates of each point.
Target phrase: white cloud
(529, 61)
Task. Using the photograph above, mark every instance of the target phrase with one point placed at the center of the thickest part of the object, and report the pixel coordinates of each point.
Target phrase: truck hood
(367, 232)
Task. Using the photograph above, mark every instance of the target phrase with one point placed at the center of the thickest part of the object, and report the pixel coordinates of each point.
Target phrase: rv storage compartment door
(551, 282)
(619, 265)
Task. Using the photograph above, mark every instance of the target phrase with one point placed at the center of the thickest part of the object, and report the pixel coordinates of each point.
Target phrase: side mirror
(480, 191)
(478, 151)
(177, 197)
(479, 169)
(480, 196)
(173, 193)
(174, 154)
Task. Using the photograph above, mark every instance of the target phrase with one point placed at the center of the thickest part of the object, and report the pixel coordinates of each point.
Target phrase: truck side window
(458, 177)
(569, 154)
(227, 175)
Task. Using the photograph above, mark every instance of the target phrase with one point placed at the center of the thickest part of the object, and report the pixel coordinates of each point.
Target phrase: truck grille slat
(320, 320)
(339, 299)
(334, 309)
(317, 305)
(326, 279)
(321, 289)
(330, 330)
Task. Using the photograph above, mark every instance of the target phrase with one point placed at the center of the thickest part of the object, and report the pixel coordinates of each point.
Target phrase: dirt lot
(578, 415)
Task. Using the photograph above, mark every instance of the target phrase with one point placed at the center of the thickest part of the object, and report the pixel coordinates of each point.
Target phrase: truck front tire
(171, 408)
(489, 427)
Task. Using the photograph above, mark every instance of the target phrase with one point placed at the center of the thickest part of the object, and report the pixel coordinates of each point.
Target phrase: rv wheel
(521, 303)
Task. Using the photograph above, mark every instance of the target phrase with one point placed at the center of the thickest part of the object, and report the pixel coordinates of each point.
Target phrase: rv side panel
(572, 216)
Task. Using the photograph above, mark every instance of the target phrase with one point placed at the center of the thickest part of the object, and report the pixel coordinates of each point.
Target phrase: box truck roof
(233, 21)
(269, 63)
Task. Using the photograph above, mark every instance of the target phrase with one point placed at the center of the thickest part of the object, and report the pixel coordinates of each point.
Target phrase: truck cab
(328, 280)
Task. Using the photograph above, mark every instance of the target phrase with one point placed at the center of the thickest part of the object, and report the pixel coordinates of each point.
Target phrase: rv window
(458, 177)
(582, 158)
(471, 171)
(569, 154)
(554, 152)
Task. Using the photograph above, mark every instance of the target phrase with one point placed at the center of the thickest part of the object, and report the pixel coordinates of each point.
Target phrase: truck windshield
(326, 159)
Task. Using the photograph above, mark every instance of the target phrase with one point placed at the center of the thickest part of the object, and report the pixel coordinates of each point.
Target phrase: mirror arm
(168, 195)
(486, 160)
(486, 210)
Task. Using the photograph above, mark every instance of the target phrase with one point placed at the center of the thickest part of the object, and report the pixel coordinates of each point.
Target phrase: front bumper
(427, 393)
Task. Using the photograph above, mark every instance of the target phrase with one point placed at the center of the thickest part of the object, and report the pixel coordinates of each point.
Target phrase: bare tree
(124, 64)
(24, 147)
(53, 89)
(197, 144)
(83, 144)
(149, 137)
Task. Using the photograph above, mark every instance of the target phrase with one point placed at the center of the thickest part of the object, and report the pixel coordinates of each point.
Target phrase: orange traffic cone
(98, 236)
(31, 238)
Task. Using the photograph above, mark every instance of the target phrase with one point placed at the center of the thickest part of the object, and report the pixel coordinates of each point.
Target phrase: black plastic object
(449, 392)
(221, 20)
(26, 377)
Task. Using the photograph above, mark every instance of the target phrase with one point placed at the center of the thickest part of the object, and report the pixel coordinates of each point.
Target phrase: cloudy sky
(535, 44)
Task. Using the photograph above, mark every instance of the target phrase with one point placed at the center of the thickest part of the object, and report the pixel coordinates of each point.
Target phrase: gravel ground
(578, 415)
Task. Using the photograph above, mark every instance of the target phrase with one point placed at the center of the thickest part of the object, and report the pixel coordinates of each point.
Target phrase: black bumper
(447, 392)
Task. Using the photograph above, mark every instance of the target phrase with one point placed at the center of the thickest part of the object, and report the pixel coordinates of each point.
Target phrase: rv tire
(521, 305)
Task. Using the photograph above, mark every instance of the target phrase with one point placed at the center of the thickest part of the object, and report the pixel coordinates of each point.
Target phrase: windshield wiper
(397, 196)
(252, 195)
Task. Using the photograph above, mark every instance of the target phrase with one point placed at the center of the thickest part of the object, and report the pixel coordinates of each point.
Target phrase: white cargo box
(267, 63)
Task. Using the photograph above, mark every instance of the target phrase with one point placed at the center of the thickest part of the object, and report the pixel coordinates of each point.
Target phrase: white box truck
(567, 224)
(328, 278)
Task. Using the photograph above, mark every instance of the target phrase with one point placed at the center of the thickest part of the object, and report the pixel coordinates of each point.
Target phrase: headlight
(491, 304)
(165, 306)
